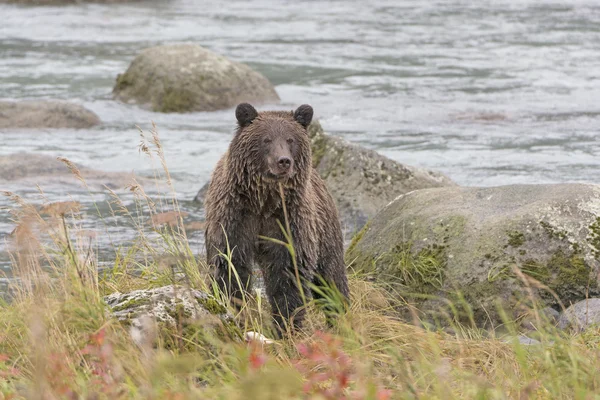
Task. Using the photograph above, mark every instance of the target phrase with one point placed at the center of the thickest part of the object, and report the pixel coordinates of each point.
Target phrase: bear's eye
(267, 140)
(290, 140)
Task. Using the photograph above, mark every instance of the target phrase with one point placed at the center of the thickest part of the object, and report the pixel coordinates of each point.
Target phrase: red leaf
(384, 394)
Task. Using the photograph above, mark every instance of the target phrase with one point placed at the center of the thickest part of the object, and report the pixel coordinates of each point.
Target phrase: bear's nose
(284, 163)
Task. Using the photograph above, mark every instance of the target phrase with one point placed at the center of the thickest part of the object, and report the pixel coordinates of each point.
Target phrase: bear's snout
(284, 163)
(283, 166)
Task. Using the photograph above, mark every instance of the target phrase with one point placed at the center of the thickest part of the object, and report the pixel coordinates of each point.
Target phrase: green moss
(318, 147)
(477, 301)
(594, 236)
(552, 232)
(357, 237)
(123, 82)
(212, 306)
(178, 312)
(572, 272)
(565, 273)
(175, 101)
(131, 303)
(230, 330)
(536, 270)
(516, 239)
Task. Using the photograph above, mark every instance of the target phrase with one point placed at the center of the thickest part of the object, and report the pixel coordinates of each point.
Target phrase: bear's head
(272, 145)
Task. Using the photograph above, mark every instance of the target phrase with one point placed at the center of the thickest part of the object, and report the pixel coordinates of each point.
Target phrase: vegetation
(58, 340)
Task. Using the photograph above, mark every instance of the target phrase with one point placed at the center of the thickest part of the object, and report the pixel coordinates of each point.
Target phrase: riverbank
(70, 330)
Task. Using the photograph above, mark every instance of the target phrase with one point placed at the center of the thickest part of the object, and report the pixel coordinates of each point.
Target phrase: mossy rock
(187, 77)
(181, 317)
(360, 180)
(485, 254)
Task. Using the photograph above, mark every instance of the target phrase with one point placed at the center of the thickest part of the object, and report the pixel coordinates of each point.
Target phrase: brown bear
(270, 155)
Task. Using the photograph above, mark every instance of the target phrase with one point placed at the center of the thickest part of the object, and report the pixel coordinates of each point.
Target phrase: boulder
(484, 250)
(45, 114)
(168, 308)
(581, 315)
(360, 180)
(188, 77)
(32, 169)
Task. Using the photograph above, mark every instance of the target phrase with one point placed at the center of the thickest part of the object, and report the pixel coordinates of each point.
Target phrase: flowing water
(487, 92)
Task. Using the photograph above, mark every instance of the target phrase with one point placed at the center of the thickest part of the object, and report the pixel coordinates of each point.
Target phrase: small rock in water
(188, 77)
(30, 169)
(45, 114)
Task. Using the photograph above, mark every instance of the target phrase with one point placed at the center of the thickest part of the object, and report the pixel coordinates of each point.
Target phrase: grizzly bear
(269, 159)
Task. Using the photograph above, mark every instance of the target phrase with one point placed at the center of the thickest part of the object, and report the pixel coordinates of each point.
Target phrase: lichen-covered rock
(170, 308)
(581, 315)
(360, 180)
(485, 243)
(27, 169)
(45, 114)
(188, 77)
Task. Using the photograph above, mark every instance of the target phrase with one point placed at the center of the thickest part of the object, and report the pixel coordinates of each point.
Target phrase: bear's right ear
(245, 114)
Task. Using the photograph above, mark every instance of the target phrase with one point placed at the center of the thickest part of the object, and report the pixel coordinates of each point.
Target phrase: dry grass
(57, 340)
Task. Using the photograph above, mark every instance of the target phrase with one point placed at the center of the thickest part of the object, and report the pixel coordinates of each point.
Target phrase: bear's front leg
(288, 289)
(283, 288)
(241, 238)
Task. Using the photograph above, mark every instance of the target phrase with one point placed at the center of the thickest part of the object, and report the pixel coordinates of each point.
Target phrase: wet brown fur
(243, 202)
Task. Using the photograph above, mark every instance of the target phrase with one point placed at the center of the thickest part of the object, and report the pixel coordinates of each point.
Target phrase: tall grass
(58, 340)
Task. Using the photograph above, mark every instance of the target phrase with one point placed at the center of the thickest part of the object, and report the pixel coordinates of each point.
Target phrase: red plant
(257, 357)
(329, 371)
(59, 376)
(6, 371)
(99, 355)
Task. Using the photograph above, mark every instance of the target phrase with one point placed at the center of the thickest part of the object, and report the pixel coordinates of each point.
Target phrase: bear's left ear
(303, 115)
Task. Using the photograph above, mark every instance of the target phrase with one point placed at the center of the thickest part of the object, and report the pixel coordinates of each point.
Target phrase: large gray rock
(166, 309)
(484, 242)
(361, 181)
(581, 315)
(187, 77)
(45, 114)
(32, 169)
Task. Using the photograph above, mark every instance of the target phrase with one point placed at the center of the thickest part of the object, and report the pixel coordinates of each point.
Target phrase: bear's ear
(245, 114)
(303, 115)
